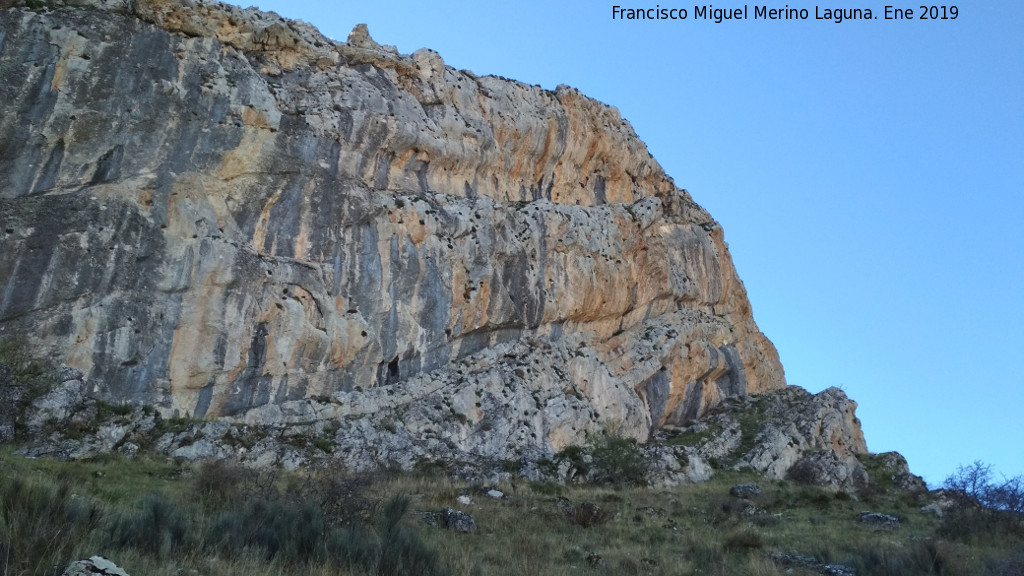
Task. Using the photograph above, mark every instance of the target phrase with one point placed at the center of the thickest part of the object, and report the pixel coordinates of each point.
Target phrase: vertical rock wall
(222, 213)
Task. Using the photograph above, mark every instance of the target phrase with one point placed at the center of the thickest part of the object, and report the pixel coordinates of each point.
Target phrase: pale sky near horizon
(869, 176)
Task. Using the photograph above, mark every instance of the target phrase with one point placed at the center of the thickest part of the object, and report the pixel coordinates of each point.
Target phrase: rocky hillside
(217, 213)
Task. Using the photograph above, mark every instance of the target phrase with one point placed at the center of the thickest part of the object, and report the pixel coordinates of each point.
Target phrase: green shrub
(23, 379)
(324, 444)
(353, 547)
(22, 370)
(343, 496)
(222, 482)
(619, 461)
(1011, 565)
(983, 509)
(158, 528)
(390, 548)
(40, 523)
(275, 528)
(575, 455)
(917, 558)
(742, 541)
(547, 488)
(402, 553)
(588, 515)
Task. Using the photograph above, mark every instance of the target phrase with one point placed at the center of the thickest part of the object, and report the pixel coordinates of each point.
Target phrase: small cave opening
(393, 370)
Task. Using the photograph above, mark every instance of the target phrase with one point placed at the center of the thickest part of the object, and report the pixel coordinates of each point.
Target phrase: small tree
(970, 482)
(974, 483)
(620, 461)
(984, 507)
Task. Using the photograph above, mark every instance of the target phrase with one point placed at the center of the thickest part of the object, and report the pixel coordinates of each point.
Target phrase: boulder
(95, 565)
(458, 520)
(745, 490)
(880, 520)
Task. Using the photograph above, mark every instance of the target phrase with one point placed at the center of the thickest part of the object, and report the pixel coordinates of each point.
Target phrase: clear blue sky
(869, 176)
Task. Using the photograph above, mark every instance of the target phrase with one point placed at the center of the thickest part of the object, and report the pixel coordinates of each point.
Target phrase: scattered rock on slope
(94, 566)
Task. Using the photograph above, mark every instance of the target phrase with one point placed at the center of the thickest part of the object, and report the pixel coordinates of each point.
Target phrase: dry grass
(697, 529)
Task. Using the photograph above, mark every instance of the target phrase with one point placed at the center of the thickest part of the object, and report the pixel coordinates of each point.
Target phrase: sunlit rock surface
(223, 214)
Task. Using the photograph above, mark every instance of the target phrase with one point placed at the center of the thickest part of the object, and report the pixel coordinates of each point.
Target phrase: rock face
(786, 434)
(220, 213)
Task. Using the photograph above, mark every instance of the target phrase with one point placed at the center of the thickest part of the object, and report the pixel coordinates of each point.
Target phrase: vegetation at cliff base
(156, 516)
(23, 379)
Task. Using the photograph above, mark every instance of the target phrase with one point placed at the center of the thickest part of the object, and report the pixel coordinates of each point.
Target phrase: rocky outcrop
(891, 468)
(788, 434)
(223, 214)
(785, 434)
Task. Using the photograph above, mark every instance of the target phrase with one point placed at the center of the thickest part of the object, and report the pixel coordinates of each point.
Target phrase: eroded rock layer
(221, 213)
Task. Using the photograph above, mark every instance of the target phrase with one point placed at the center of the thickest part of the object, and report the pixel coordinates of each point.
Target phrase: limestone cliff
(223, 214)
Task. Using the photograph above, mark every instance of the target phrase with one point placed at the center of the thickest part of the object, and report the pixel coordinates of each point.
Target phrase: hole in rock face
(393, 369)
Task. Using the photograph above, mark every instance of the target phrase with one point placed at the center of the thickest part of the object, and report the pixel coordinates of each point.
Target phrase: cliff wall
(223, 214)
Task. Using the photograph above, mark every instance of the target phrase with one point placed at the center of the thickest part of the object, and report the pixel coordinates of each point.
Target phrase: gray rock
(59, 404)
(880, 520)
(807, 561)
(68, 374)
(93, 566)
(496, 494)
(129, 449)
(458, 520)
(565, 506)
(895, 466)
(745, 490)
(464, 500)
(202, 449)
(811, 438)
